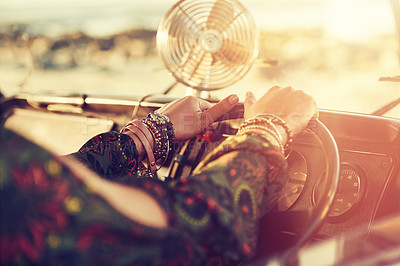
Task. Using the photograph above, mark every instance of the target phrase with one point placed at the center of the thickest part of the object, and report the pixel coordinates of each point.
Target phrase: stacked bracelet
(141, 136)
(163, 133)
(265, 132)
(155, 132)
(276, 120)
(266, 126)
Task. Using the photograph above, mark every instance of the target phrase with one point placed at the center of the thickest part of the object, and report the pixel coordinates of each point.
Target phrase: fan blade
(221, 16)
(203, 72)
(195, 66)
(181, 25)
(176, 26)
(232, 53)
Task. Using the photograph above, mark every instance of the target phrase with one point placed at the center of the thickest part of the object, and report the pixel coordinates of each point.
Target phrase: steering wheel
(314, 218)
(311, 220)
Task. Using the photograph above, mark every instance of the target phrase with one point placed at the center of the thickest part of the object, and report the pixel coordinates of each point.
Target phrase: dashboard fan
(208, 44)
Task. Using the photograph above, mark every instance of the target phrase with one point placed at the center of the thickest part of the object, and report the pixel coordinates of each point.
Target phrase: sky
(341, 18)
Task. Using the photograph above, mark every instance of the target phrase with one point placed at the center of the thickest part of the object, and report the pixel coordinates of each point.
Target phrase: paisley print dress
(50, 217)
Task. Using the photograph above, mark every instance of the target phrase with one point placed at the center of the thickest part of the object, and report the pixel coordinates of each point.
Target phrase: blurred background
(336, 50)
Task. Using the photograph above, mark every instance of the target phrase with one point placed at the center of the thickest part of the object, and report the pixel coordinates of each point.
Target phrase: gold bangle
(147, 146)
(265, 133)
(279, 121)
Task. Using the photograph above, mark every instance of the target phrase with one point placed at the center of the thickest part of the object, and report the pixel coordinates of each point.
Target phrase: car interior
(344, 169)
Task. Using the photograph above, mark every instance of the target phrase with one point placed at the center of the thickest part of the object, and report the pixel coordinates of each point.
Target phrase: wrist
(282, 127)
(282, 133)
(139, 146)
(161, 128)
(153, 136)
(270, 127)
(143, 140)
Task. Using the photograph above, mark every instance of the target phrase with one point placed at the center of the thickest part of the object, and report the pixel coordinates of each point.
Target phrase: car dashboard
(368, 185)
(369, 152)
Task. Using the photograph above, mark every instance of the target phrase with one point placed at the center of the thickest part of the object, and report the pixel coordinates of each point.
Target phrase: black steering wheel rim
(321, 209)
(318, 212)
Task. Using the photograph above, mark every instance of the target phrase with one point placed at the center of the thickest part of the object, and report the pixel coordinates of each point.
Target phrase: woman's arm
(228, 193)
(55, 210)
(215, 211)
(110, 155)
(260, 164)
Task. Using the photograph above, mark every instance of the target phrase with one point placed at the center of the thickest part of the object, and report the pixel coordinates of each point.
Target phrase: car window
(336, 50)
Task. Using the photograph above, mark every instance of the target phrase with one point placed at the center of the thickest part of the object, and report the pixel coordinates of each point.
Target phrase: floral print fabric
(110, 155)
(48, 216)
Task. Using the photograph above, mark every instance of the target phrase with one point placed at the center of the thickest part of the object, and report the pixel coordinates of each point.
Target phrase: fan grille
(208, 45)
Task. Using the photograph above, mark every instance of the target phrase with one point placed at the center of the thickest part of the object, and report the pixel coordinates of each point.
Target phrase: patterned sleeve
(50, 217)
(233, 187)
(110, 155)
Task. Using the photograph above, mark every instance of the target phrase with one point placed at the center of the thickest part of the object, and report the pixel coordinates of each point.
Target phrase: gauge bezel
(363, 188)
(302, 168)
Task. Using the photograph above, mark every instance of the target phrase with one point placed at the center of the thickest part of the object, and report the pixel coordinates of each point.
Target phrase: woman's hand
(191, 115)
(294, 106)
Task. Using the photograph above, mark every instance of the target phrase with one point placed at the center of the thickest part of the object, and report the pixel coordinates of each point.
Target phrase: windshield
(341, 52)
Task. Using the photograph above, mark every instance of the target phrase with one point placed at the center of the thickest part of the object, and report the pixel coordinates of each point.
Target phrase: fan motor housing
(211, 40)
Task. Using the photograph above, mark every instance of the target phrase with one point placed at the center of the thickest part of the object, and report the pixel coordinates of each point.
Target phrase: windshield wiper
(394, 79)
(386, 108)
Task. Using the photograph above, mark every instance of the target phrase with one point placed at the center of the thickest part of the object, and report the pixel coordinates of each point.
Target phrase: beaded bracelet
(154, 129)
(270, 135)
(279, 121)
(163, 133)
(265, 125)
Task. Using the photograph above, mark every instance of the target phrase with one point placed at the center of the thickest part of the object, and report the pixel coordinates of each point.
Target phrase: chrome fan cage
(208, 45)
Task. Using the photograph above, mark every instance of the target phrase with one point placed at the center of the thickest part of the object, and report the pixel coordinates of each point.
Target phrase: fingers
(250, 100)
(276, 87)
(316, 115)
(203, 104)
(219, 109)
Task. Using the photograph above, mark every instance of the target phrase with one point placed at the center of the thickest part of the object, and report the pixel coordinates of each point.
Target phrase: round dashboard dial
(349, 192)
(297, 177)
